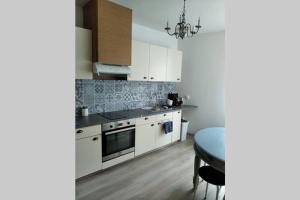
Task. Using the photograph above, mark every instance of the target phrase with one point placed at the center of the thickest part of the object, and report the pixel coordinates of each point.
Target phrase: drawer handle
(165, 115)
(178, 79)
(145, 77)
(151, 78)
(158, 123)
(152, 124)
(146, 118)
(96, 138)
(178, 111)
(79, 131)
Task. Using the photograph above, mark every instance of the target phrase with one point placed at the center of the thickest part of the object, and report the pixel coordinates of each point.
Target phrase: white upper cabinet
(158, 63)
(140, 61)
(174, 64)
(154, 63)
(83, 46)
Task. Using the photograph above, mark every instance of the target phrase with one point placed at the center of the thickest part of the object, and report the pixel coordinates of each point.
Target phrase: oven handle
(121, 130)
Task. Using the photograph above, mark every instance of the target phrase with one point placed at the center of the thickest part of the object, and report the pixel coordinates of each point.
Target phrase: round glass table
(209, 146)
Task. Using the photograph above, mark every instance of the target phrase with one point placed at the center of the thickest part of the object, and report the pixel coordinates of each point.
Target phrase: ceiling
(155, 13)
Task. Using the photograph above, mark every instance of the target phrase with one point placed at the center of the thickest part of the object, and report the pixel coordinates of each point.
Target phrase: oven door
(117, 142)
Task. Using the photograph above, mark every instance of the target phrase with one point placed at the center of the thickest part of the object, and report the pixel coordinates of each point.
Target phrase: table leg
(196, 168)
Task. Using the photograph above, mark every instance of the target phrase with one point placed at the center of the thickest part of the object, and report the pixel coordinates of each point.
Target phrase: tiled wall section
(112, 95)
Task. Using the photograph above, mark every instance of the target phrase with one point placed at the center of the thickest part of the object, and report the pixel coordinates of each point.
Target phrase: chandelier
(183, 29)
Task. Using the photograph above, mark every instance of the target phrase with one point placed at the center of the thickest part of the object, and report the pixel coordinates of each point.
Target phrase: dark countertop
(97, 119)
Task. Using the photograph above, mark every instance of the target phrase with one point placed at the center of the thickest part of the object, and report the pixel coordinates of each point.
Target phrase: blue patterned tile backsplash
(113, 95)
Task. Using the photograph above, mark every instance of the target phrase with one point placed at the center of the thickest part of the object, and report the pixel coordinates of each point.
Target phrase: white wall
(145, 34)
(139, 32)
(203, 79)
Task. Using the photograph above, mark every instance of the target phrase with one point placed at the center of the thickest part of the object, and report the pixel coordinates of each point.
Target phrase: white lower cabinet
(176, 126)
(145, 138)
(88, 155)
(161, 138)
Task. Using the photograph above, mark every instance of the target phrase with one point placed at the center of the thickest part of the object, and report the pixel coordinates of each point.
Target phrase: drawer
(146, 120)
(176, 113)
(165, 116)
(88, 131)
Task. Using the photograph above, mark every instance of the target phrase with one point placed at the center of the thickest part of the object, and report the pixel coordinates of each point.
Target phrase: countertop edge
(101, 120)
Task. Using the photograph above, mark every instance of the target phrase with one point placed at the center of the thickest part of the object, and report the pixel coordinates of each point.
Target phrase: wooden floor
(163, 174)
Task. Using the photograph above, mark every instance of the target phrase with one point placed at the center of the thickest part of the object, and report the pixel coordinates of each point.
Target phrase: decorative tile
(119, 86)
(118, 97)
(99, 100)
(119, 106)
(109, 87)
(109, 107)
(109, 98)
(99, 108)
(112, 95)
(78, 94)
(99, 87)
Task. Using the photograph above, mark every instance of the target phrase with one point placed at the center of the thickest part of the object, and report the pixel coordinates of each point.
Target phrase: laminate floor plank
(165, 174)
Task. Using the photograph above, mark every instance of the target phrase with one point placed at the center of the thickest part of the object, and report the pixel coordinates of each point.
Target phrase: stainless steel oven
(118, 139)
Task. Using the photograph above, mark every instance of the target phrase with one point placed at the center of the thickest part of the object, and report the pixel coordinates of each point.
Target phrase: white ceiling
(155, 13)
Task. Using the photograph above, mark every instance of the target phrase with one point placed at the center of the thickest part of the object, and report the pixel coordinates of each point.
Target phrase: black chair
(211, 176)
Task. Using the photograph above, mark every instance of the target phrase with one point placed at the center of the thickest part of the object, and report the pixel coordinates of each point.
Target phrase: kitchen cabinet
(145, 138)
(176, 126)
(157, 63)
(83, 55)
(88, 150)
(111, 26)
(140, 61)
(162, 139)
(174, 63)
(88, 155)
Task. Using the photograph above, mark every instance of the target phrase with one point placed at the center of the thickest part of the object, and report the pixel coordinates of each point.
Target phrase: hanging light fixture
(183, 29)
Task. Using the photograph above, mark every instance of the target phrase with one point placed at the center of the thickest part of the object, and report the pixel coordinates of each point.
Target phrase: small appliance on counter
(84, 111)
(176, 101)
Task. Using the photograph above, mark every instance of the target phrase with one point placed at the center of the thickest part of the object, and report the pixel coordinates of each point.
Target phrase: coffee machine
(176, 100)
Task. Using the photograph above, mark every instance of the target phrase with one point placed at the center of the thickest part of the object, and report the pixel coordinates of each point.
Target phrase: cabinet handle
(146, 118)
(178, 111)
(178, 79)
(79, 131)
(96, 138)
(165, 115)
(151, 78)
(158, 123)
(152, 124)
(145, 77)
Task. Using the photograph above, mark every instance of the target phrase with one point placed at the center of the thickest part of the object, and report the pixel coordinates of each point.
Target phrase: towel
(168, 127)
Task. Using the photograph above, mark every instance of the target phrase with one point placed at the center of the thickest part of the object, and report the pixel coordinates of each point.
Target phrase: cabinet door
(176, 126)
(114, 33)
(83, 48)
(174, 65)
(88, 155)
(140, 61)
(158, 63)
(162, 139)
(144, 138)
(111, 24)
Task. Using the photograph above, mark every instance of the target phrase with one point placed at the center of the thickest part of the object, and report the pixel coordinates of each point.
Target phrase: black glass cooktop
(112, 116)
(124, 114)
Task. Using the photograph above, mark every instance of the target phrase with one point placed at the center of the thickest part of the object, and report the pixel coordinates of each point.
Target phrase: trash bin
(184, 128)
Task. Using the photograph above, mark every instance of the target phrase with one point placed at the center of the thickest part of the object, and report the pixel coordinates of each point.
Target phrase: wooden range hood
(111, 26)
